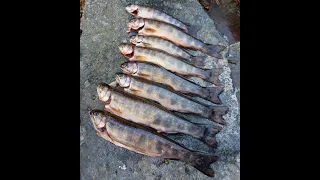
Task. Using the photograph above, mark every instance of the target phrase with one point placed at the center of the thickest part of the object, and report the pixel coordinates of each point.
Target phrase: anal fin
(145, 76)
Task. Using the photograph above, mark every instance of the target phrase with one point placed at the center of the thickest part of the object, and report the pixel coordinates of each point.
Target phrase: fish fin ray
(209, 136)
(193, 30)
(147, 45)
(217, 113)
(140, 58)
(150, 30)
(213, 94)
(199, 61)
(214, 50)
(145, 76)
(212, 75)
(116, 111)
(202, 163)
(136, 92)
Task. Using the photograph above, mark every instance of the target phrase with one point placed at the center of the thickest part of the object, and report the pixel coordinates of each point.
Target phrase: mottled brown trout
(137, 139)
(141, 111)
(169, 62)
(169, 99)
(149, 27)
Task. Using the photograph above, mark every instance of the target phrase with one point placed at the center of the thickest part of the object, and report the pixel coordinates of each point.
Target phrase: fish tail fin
(217, 113)
(209, 135)
(213, 94)
(214, 50)
(199, 61)
(212, 75)
(193, 30)
(202, 163)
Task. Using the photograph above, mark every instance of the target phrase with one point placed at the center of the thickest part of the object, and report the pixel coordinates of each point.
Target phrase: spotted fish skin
(143, 141)
(149, 115)
(137, 139)
(178, 37)
(173, 63)
(167, 98)
(160, 75)
(169, 47)
(139, 11)
(141, 111)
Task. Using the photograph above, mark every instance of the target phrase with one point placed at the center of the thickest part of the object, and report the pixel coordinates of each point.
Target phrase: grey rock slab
(104, 26)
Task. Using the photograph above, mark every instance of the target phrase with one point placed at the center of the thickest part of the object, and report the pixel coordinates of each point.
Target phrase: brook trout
(169, 99)
(139, 11)
(169, 47)
(135, 138)
(169, 62)
(141, 111)
(177, 83)
(166, 31)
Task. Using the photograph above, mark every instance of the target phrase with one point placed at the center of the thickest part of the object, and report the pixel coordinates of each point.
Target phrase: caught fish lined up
(135, 138)
(139, 11)
(169, 62)
(169, 99)
(166, 31)
(169, 47)
(177, 83)
(141, 111)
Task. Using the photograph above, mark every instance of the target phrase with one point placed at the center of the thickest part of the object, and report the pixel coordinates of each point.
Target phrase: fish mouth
(125, 71)
(92, 117)
(122, 67)
(134, 13)
(101, 95)
(140, 28)
(125, 82)
(133, 40)
(130, 29)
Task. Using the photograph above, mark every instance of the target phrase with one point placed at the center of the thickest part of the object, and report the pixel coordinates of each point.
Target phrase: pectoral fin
(145, 76)
(116, 111)
(140, 58)
(150, 30)
(136, 91)
(147, 45)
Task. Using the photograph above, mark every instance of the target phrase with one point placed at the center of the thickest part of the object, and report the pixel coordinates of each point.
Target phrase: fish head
(137, 40)
(135, 24)
(104, 92)
(123, 80)
(126, 50)
(98, 119)
(132, 9)
(129, 67)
